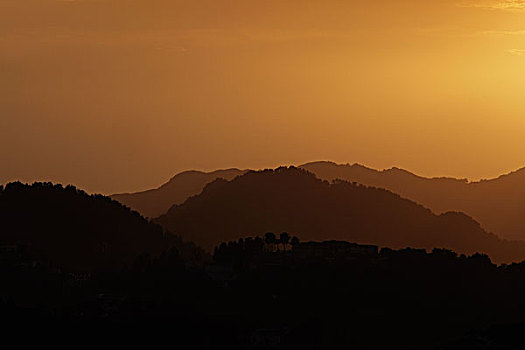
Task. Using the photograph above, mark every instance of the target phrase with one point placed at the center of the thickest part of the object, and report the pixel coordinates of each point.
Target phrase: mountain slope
(153, 203)
(75, 230)
(497, 203)
(294, 200)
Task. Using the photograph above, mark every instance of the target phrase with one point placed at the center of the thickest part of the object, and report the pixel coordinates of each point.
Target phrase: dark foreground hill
(497, 203)
(293, 200)
(74, 230)
(153, 203)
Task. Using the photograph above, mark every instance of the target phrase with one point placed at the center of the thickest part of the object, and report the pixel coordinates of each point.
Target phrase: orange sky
(118, 95)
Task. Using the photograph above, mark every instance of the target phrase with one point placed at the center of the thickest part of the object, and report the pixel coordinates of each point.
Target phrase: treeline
(357, 297)
(246, 249)
(257, 295)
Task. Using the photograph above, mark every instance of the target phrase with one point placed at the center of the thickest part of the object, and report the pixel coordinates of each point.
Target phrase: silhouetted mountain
(295, 201)
(153, 203)
(74, 230)
(497, 204)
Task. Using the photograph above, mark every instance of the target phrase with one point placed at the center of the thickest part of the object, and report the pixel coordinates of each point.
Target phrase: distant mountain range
(153, 203)
(497, 203)
(296, 201)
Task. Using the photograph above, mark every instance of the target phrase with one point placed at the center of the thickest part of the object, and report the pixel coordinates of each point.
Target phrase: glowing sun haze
(117, 95)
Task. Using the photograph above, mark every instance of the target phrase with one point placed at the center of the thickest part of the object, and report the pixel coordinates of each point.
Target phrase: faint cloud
(504, 32)
(517, 52)
(509, 5)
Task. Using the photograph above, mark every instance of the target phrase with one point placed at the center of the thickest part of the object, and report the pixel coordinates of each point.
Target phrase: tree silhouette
(294, 242)
(284, 239)
(269, 239)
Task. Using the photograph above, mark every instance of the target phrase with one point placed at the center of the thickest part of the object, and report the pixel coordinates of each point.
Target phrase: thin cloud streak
(508, 5)
(504, 32)
(518, 52)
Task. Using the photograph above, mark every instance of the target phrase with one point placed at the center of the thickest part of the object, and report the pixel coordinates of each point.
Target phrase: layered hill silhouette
(497, 203)
(74, 230)
(155, 202)
(296, 201)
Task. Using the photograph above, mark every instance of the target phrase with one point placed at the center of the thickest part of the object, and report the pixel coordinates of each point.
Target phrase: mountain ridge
(154, 202)
(495, 203)
(296, 201)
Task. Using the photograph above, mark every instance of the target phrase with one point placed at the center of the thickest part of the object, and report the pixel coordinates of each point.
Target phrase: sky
(119, 95)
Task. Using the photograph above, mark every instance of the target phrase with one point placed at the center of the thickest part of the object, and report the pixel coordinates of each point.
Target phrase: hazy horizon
(119, 95)
(296, 164)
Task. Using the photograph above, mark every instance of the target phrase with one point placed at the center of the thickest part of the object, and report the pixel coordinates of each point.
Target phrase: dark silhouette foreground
(266, 292)
(255, 295)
